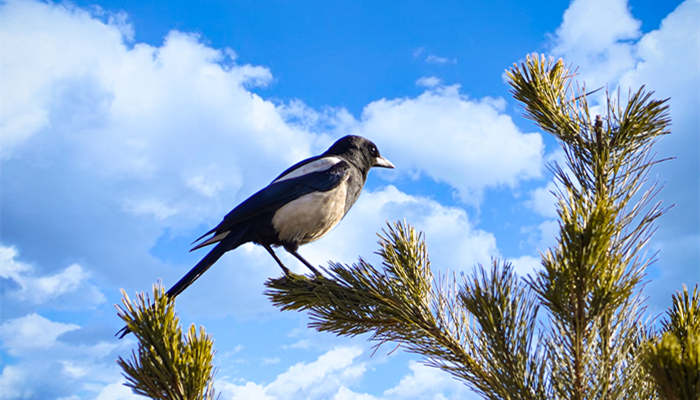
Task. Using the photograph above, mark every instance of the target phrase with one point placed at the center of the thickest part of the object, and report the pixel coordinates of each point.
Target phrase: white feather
(322, 164)
(310, 216)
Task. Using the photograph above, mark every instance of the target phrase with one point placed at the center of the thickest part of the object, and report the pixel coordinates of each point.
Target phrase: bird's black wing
(279, 193)
(282, 192)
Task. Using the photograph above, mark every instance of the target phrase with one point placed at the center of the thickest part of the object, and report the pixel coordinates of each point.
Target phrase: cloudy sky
(127, 129)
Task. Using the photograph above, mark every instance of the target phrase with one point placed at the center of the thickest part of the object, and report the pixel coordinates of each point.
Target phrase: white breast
(322, 164)
(310, 216)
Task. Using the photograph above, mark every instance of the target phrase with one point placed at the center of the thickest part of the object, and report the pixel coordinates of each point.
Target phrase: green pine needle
(673, 360)
(166, 365)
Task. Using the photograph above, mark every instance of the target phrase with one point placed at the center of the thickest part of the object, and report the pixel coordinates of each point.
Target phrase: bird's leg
(272, 253)
(298, 256)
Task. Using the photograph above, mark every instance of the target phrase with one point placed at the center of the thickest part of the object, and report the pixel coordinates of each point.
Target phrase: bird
(299, 206)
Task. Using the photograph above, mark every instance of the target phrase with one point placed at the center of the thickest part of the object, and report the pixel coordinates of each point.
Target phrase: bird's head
(360, 151)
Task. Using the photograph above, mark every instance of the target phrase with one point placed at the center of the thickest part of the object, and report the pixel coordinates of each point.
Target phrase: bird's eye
(373, 151)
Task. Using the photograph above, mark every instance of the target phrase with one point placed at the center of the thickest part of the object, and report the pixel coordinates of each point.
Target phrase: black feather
(229, 243)
(201, 267)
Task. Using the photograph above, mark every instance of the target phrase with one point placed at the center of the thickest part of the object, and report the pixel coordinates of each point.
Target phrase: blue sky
(129, 128)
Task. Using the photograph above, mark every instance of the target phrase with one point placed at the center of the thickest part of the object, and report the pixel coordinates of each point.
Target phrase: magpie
(299, 206)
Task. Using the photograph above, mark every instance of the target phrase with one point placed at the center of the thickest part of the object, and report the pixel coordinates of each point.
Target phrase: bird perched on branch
(302, 204)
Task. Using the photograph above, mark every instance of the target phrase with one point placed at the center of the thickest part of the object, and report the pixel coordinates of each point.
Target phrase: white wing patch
(321, 164)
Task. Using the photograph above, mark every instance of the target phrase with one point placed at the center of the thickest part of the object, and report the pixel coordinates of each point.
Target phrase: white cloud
(346, 394)
(539, 238)
(526, 265)
(13, 385)
(543, 201)
(428, 81)
(54, 285)
(547, 232)
(204, 186)
(417, 52)
(593, 36)
(428, 383)
(117, 391)
(435, 59)
(247, 391)
(469, 144)
(318, 379)
(134, 88)
(31, 332)
(299, 344)
(320, 376)
(54, 360)
(152, 207)
(611, 19)
(271, 360)
(333, 372)
(40, 289)
(431, 58)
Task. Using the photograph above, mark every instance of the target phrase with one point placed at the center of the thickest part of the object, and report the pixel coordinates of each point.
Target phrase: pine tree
(575, 328)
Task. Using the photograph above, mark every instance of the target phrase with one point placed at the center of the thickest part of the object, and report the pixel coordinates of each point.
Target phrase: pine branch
(591, 276)
(479, 330)
(673, 359)
(165, 366)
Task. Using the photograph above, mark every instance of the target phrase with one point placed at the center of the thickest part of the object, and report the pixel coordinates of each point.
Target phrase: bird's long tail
(197, 271)
(202, 266)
